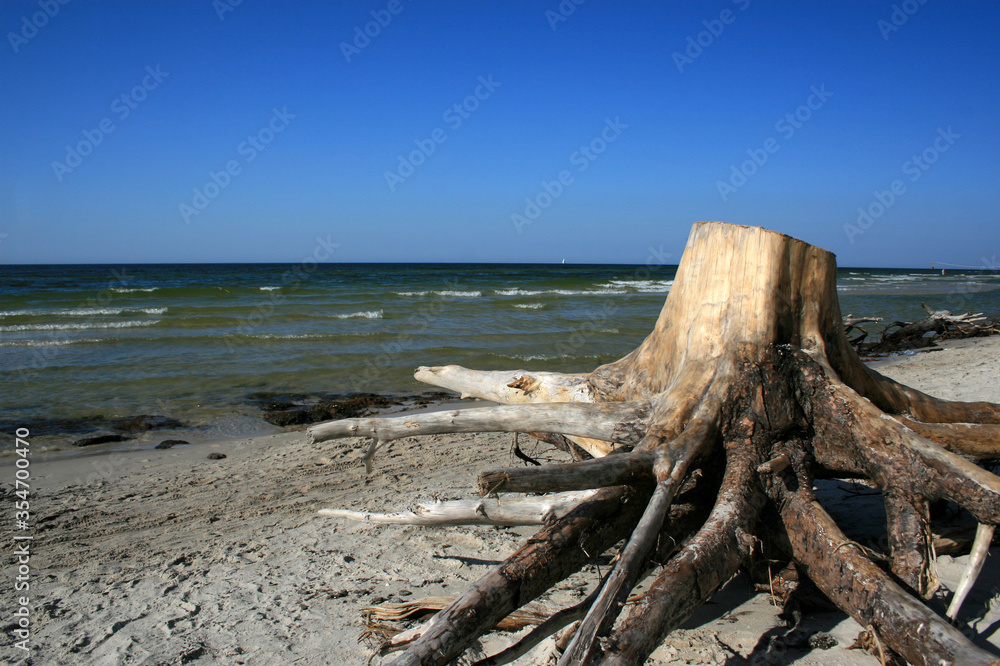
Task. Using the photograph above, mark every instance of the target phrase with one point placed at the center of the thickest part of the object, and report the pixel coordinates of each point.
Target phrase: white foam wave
(445, 293)
(367, 314)
(78, 327)
(606, 290)
(459, 294)
(269, 288)
(78, 312)
(529, 306)
(645, 286)
(518, 292)
(122, 290)
(588, 292)
(278, 336)
(51, 343)
(546, 357)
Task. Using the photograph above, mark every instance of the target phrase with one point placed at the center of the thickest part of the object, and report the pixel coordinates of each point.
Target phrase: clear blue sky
(676, 118)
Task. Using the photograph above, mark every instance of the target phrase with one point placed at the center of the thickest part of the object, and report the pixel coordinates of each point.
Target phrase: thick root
(842, 570)
(911, 542)
(694, 574)
(974, 440)
(895, 398)
(560, 620)
(853, 436)
(670, 473)
(518, 387)
(557, 551)
(616, 470)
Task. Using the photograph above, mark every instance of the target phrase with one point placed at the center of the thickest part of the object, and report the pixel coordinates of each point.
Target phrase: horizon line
(933, 267)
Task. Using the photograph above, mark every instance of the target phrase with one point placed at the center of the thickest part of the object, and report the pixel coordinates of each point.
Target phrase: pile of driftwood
(900, 335)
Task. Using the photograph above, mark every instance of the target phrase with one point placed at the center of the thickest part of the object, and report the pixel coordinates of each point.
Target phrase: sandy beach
(169, 557)
(675, 236)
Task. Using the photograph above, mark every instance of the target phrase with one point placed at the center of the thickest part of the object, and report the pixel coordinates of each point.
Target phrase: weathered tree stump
(747, 381)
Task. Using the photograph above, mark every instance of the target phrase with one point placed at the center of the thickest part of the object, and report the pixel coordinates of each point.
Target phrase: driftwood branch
(508, 387)
(622, 423)
(980, 549)
(484, 511)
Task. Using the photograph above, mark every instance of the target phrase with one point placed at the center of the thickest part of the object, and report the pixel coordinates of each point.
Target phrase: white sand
(166, 557)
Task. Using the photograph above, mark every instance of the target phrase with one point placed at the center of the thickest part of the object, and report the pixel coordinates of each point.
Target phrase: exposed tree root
(692, 576)
(558, 621)
(557, 551)
(747, 370)
(842, 570)
(597, 473)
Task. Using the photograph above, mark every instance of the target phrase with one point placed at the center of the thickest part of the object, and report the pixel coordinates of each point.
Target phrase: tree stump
(746, 383)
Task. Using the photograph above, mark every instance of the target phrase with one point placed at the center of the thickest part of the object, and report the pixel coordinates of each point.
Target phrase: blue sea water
(192, 341)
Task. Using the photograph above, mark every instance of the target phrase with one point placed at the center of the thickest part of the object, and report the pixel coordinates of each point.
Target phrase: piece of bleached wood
(618, 422)
(485, 511)
(980, 548)
(508, 386)
(511, 387)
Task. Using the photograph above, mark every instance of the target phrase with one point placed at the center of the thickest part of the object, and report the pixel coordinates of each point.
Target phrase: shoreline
(242, 421)
(171, 557)
(197, 344)
(249, 419)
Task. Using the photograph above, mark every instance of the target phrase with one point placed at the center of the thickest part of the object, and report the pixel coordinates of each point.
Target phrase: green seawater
(193, 341)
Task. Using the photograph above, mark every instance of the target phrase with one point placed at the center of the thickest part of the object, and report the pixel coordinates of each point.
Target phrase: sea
(194, 341)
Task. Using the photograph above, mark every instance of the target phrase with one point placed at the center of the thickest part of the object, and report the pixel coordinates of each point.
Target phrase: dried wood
(750, 348)
(483, 511)
(980, 549)
(842, 570)
(613, 470)
(622, 423)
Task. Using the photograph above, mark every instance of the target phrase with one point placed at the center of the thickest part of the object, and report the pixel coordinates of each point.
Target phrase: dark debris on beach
(288, 409)
(97, 429)
(924, 334)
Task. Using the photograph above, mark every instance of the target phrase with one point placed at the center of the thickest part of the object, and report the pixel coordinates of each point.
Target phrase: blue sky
(589, 132)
